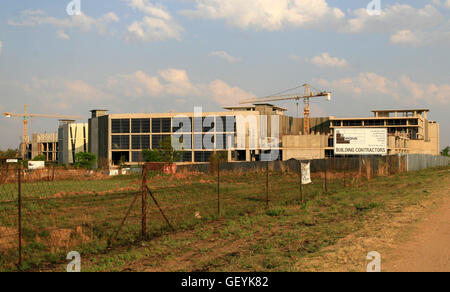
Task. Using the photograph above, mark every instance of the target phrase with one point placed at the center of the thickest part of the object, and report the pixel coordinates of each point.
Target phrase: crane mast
(26, 116)
(306, 97)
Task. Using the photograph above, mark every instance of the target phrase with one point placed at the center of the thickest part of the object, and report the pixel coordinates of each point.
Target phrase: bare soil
(427, 247)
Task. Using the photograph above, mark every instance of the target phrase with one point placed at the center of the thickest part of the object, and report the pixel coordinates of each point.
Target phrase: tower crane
(306, 96)
(26, 116)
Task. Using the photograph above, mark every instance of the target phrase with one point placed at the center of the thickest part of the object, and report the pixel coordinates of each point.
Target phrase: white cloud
(225, 94)
(404, 37)
(62, 93)
(403, 89)
(270, 15)
(443, 3)
(325, 60)
(157, 24)
(394, 18)
(224, 55)
(33, 18)
(1, 47)
(174, 83)
(62, 35)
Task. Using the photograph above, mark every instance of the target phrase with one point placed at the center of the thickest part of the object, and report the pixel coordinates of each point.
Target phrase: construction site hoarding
(358, 141)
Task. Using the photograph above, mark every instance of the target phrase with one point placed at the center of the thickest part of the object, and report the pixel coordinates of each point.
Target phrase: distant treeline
(8, 154)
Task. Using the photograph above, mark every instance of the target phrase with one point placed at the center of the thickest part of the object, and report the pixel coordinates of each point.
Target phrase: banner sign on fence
(359, 141)
(36, 164)
(12, 160)
(306, 173)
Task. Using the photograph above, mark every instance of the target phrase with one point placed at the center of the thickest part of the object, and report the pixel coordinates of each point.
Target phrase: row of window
(359, 123)
(185, 156)
(168, 125)
(200, 141)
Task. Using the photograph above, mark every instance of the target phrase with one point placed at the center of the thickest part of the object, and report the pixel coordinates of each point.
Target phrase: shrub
(40, 157)
(85, 160)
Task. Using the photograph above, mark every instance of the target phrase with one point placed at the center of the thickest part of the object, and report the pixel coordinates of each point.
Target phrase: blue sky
(156, 56)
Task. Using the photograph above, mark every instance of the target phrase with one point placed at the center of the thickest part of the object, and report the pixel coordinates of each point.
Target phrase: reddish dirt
(427, 248)
(8, 238)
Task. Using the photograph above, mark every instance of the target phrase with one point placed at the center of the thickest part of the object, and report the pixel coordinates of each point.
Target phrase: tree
(445, 151)
(40, 157)
(8, 154)
(164, 153)
(85, 160)
(151, 155)
(216, 159)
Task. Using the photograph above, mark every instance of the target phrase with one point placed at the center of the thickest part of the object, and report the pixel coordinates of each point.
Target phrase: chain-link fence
(45, 214)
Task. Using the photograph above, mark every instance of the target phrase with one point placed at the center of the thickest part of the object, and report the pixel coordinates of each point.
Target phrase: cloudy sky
(158, 56)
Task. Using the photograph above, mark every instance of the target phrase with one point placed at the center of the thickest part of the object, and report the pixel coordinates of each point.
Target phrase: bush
(151, 156)
(40, 157)
(85, 160)
(445, 151)
(216, 159)
(165, 153)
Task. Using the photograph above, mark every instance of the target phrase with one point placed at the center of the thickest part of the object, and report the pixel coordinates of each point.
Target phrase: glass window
(120, 126)
(184, 140)
(156, 125)
(198, 141)
(156, 140)
(182, 124)
(208, 141)
(140, 142)
(140, 125)
(120, 142)
(137, 157)
(208, 124)
(198, 125)
(231, 124)
(221, 124)
(166, 125)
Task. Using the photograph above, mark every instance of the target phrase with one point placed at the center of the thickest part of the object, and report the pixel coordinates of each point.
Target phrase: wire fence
(45, 214)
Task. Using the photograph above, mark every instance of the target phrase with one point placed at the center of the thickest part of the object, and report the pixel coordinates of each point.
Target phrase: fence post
(53, 174)
(326, 174)
(267, 184)
(19, 207)
(218, 188)
(345, 168)
(388, 160)
(300, 178)
(144, 201)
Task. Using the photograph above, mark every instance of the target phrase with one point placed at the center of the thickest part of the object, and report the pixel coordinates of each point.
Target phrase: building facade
(72, 139)
(244, 133)
(409, 131)
(247, 133)
(45, 144)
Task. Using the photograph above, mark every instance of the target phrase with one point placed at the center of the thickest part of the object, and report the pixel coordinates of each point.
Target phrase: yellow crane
(27, 116)
(306, 96)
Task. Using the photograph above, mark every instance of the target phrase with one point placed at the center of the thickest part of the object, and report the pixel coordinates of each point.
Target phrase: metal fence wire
(45, 214)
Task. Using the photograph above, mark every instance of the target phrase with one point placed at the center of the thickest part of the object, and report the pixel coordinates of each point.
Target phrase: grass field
(83, 215)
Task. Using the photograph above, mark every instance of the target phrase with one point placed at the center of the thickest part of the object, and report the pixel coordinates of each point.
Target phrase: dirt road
(427, 247)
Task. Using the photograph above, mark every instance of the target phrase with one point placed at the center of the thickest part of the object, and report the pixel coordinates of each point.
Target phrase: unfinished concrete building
(45, 144)
(409, 131)
(246, 133)
(243, 132)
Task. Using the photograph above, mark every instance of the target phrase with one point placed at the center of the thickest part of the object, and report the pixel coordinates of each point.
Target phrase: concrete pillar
(247, 155)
